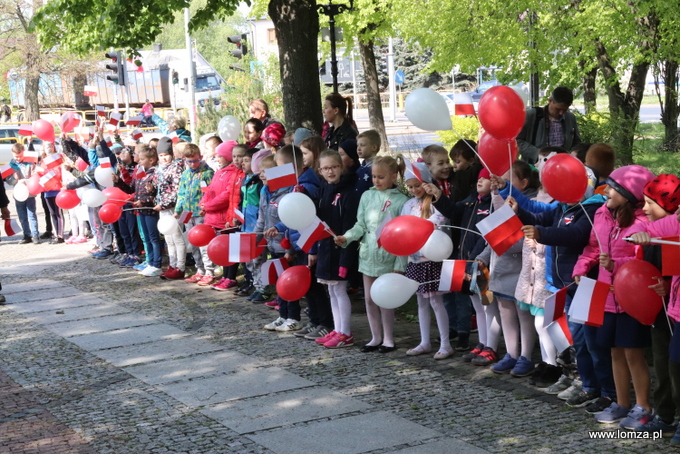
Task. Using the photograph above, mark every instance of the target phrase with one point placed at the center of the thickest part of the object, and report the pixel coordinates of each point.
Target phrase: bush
(463, 127)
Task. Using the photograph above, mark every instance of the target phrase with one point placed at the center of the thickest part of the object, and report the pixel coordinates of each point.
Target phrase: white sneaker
(275, 324)
(571, 391)
(151, 271)
(290, 325)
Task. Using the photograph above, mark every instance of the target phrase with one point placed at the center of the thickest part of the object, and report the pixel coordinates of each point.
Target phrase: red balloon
(69, 121)
(67, 199)
(117, 196)
(494, 153)
(501, 112)
(631, 288)
(294, 283)
(564, 177)
(44, 130)
(201, 235)
(110, 213)
(405, 235)
(218, 249)
(33, 185)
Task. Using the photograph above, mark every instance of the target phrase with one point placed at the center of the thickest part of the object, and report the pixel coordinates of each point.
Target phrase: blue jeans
(149, 225)
(128, 230)
(145, 238)
(27, 216)
(458, 307)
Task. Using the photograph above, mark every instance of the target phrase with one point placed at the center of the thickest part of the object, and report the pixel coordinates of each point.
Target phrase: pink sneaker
(326, 338)
(80, 239)
(194, 279)
(273, 304)
(223, 284)
(70, 240)
(340, 340)
(206, 281)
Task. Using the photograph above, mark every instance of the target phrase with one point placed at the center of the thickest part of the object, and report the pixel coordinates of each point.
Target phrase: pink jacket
(668, 226)
(223, 196)
(613, 243)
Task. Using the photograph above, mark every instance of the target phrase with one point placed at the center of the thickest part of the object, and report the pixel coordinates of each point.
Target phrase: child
(168, 175)
(662, 198)
(426, 272)
(196, 176)
(311, 148)
(272, 136)
(221, 201)
(50, 195)
(145, 196)
(620, 217)
(26, 209)
(128, 220)
(337, 206)
(601, 158)
(250, 203)
(211, 144)
(465, 168)
(252, 133)
(368, 146)
(349, 155)
(382, 199)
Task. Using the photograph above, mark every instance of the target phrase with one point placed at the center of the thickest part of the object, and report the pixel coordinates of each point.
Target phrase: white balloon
(427, 109)
(81, 192)
(438, 247)
(229, 128)
(168, 225)
(94, 198)
(297, 211)
(392, 290)
(104, 176)
(522, 91)
(20, 192)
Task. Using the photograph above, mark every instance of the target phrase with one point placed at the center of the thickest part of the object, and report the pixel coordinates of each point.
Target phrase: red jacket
(223, 197)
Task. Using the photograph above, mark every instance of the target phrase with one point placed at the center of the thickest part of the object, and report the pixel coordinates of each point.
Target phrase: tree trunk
(82, 102)
(297, 27)
(32, 78)
(670, 109)
(589, 96)
(375, 112)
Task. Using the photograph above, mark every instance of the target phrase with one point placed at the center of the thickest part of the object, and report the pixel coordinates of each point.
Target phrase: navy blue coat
(466, 213)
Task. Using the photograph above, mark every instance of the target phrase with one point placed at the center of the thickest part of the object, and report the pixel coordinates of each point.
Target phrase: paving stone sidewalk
(117, 363)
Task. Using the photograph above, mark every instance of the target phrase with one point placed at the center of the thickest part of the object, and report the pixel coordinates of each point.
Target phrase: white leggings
(488, 322)
(517, 324)
(380, 320)
(425, 319)
(548, 349)
(341, 306)
(177, 248)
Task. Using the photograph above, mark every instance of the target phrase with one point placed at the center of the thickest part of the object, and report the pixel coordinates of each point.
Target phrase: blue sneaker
(637, 417)
(103, 254)
(522, 368)
(657, 424)
(132, 261)
(505, 365)
(614, 413)
(676, 438)
(141, 266)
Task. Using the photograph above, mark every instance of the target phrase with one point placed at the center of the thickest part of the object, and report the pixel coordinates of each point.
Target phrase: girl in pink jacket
(619, 218)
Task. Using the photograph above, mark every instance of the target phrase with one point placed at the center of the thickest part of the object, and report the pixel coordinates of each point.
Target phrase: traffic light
(117, 66)
(241, 45)
(175, 77)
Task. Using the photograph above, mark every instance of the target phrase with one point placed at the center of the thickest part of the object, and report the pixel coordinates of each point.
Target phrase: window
(271, 36)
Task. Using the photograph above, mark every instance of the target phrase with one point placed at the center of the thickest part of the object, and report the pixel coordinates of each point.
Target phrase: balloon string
(463, 228)
(470, 147)
(510, 158)
(599, 243)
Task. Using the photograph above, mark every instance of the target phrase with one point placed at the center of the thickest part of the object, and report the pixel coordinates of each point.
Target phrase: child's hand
(577, 279)
(289, 257)
(311, 260)
(201, 213)
(498, 182)
(513, 204)
(137, 203)
(340, 240)
(157, 208)
(468, 277)
(640, 238)
(662, 287)
(271, 232)
(176, 215)
(531, 232)
(432, 189)
(606, 262)
(114, 178)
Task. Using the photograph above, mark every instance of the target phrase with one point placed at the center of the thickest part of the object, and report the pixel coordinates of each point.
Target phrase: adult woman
(337, 111)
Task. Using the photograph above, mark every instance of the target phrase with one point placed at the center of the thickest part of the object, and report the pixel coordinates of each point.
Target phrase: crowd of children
(224, 186)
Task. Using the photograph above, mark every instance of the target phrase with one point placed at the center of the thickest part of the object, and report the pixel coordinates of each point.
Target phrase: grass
(648, 152)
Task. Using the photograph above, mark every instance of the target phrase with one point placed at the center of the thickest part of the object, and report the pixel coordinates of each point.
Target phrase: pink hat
(225, 149)
(257, 158)
(273, 134)
(630, 181)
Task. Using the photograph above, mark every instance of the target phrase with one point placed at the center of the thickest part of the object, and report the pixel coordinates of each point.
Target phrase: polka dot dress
(425, 272)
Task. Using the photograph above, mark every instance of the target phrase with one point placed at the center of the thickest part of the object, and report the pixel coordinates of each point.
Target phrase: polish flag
(25, 130)
(417, 170)
(587, 307)
(108, 140)
(554, 306)
(139, 173)
(6, 171)
(670, 257)
(90, 90)
(136, 134)
(185, 216)
(560, 334)
(281, 176)
(101, 111)
(243, 247)
(463, 103)
(378, 232)
(31, 156)
(81, 165)
(115, 119)
(12, 227)
(239, 215)
(134, 121)
(204, 187)
(271, 270)
(317, 231)
(174, 137)
(105, 163)
(47, 178)
(453, 275)
(52, 161)
(501, 229)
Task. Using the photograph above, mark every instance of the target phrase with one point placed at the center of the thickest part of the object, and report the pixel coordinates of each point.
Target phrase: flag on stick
(271, 270)
(501, 229)
(90, 90)
(53, 160)
(6, 171)
(25, 130)
(12, 227)
(316, 231)
(560, 334)
(281, 177)
(453, 275)
(463, 103)
(554, 306)
(587, 307)
(185, 217)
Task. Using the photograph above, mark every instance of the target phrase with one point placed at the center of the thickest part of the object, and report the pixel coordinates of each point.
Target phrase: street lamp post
(331, 10)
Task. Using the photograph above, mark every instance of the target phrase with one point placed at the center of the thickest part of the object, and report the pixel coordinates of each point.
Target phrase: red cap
(484, 173)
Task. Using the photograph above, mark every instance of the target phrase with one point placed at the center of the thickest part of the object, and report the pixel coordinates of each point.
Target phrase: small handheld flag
(12, 227)
(501, 229)
(453, 275)
(281, 177)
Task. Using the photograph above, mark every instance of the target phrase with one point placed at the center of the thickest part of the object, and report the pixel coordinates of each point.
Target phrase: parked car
(8, 137)
(477, 93)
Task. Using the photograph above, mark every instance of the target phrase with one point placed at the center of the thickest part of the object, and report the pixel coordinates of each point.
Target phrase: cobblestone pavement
(57, 394)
